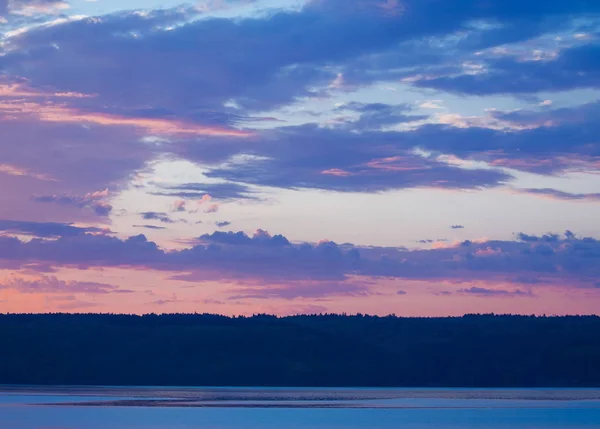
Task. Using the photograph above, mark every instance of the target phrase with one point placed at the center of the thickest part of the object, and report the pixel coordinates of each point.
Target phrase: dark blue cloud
(574, 68)
(550, 141)
(260, 238)
(162, 217)
(135, 67)
(338, 159)
(45, 229)
(561, 195)
(483, 292)
(51, 284)
(547, 238)
(218, 191)
(565, 260)
(239, 59)
(94, 201)
(377, 115)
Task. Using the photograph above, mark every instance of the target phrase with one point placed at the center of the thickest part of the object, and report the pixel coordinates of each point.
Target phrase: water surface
(266, 408)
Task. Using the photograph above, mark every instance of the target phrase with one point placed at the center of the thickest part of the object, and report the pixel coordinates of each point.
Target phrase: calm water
(235, 408)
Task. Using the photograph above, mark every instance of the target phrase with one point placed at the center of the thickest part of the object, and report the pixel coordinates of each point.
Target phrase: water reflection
(236, 408)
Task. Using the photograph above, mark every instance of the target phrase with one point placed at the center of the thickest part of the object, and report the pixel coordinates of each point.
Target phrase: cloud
(400, 292)
(16, 171)
(163, 301)
(573, 68)
(52, 285)
(560, 195)
(377, 115)
(218, 191)
(179, 206)
(86, 102)
(93, 201)
(312, 157)
(294, 290)
(244, 70)
(265, 259)
(430, 241)
(259, 238)
(457, 227)
(149, 227)
(171, 300)
(75, 305)
(31, 7)
(483, 292)
(222, 224)
(212, 208)
(550, 142)
(46, 229)
(246, 63)
(162, 217)
(71, 159)
(215, 5)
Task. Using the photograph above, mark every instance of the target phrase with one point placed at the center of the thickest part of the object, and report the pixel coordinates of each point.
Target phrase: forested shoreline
(311, 350)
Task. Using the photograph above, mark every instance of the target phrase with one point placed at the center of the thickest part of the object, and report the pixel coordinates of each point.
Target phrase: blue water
(202, 408)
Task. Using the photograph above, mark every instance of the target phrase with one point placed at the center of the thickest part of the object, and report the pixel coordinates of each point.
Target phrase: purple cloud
(574, 68)
(377, 115)
(52, 285)
(218, 191)
(560, 195)
(339, 159)
(294, 290)
(235, 256)
(162, 217)
(94, 200)
(86, 103)
(259, 238)
(45, 229)
(30, 7)
(265, 73)
(483, 292)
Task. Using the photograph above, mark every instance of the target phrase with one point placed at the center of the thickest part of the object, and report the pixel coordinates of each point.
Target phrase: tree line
(309, 350)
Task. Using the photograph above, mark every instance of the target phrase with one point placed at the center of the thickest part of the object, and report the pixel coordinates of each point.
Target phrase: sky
(414, 157)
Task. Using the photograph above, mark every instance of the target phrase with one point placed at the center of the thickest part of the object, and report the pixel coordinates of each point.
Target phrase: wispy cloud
(560, 195)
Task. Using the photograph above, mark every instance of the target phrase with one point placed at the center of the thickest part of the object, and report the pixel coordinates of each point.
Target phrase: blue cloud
(45, 229)
(162, 217)
(574, 68)
(483, 292)
(550, 259)
(341, 160)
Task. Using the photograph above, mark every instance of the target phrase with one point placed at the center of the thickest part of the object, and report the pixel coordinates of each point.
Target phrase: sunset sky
(416, 157)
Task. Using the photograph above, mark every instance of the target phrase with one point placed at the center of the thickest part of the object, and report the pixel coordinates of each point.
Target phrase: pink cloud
(52, 285)
(12, 170)
(63, 114)
(336, 172)
(179, 206)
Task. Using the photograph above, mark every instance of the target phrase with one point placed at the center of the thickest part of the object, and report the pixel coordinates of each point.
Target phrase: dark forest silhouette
(324, 350)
